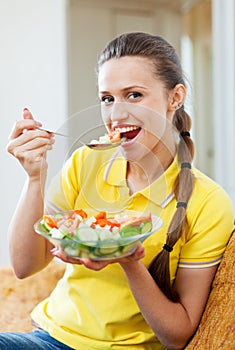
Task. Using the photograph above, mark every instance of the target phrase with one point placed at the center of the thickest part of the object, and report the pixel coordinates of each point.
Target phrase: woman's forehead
(128, 62)
(127, 68)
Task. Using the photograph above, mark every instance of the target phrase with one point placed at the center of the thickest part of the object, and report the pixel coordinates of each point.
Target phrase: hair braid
(168, 70)
(183, 188)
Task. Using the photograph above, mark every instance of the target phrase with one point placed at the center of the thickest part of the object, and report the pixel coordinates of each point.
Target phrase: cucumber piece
(129, 249)
(68, 237)
(56, 233)
(104, 251)
(58, 216)
(45, 226)
(70, 251)
(64, 230)
(129, 231)
(145, 227)
(87, 234)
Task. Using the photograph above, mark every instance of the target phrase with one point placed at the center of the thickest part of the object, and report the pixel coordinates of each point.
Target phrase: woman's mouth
(128, 132)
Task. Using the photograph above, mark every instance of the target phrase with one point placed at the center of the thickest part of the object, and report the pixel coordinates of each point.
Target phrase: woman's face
(135, 102)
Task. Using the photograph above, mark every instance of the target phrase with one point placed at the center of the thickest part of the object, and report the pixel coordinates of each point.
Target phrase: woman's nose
(119, 111)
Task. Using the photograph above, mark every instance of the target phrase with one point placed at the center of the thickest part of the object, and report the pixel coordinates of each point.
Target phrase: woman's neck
(143, 173)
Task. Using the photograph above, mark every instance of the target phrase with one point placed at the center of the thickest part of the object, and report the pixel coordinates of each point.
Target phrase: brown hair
(168, 70)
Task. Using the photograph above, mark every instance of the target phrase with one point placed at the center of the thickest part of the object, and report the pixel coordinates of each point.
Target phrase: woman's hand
(29, 252)
(30, 145)
(99, 264)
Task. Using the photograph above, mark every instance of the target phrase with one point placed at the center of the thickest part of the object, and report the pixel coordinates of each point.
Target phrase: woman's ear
(177, 97)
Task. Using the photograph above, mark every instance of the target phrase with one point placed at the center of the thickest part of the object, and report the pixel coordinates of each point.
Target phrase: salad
(101, 236)
(111, 137)
(77, 224)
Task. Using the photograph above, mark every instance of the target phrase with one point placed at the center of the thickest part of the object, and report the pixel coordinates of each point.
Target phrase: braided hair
(168, 70)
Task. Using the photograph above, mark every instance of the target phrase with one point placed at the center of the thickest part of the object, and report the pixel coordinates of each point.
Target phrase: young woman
(154, 298)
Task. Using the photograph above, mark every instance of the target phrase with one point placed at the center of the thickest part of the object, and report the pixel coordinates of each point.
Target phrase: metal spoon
(103, 146)
(96, 146)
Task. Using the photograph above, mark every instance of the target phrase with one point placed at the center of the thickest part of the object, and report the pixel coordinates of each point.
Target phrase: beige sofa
(216, 330)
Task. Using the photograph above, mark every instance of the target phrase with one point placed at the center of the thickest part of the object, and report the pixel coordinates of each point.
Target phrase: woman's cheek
(155, 124)
(105, 114)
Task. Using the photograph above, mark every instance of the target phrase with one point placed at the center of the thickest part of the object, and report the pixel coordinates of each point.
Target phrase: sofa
(216, 330)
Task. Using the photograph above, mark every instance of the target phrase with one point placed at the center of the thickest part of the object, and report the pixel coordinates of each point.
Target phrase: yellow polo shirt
(91, 310)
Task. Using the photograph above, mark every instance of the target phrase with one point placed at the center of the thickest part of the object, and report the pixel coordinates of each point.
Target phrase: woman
(155, 297)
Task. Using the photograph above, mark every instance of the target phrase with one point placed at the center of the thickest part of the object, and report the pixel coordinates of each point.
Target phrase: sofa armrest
(19, 297)
(217, 327)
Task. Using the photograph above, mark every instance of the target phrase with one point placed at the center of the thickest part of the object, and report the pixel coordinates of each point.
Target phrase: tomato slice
(81, 212)
(101, 222)
(71, 213)
(100, 215)
(113, 223)
(49, 221)
(114, 136)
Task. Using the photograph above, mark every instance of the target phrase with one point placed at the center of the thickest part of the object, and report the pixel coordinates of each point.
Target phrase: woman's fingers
(59, 253)
(100, 264)
(34, 139)
(27, 114)
(30, 141)
(29, 145)
(31, 155)
(23, 125)
(27, 123)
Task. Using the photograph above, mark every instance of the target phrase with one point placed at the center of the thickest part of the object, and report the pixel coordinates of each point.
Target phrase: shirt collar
(115, 171)
(160, 191)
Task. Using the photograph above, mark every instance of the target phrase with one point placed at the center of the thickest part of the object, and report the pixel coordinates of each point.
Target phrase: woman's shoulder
(206, 183)
(208, 193)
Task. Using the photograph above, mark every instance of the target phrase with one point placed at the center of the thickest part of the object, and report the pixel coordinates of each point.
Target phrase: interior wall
(91, 24)
(47, 63)
(33, 74)
(48, 58)
(224, 93)
(197, 26)
(108, 19)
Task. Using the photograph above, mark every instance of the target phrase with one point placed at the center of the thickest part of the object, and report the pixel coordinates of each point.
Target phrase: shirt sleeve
(211, 223)
(64, 187)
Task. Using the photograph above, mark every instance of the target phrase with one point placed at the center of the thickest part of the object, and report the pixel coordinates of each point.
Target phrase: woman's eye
(134, 95)
(107, 99)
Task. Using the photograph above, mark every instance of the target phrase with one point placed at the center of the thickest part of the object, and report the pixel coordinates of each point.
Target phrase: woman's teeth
(127, 129)
(128, 132)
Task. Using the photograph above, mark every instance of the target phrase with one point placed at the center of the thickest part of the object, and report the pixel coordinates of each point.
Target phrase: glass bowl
(106, 248)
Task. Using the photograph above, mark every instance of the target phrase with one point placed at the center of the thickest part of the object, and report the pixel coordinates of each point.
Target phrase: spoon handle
(55, 133)
(96, 146)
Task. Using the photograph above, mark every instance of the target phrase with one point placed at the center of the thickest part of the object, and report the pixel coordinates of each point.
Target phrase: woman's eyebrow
(134, 87)
(131, 87)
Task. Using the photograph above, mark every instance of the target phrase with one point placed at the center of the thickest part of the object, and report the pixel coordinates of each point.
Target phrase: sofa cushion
(217, 327)
(18, 297)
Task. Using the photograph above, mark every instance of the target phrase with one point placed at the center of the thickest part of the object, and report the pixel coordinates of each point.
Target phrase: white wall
(41, 41)
(33, 74)
(197, 28)
(224, 93)
(91, 24)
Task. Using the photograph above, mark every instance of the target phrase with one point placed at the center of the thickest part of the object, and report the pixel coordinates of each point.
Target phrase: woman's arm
(173, 323)
(29, 252)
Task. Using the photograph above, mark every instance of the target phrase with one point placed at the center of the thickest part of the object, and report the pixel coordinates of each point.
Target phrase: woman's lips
(129, 135)
(128, 132)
